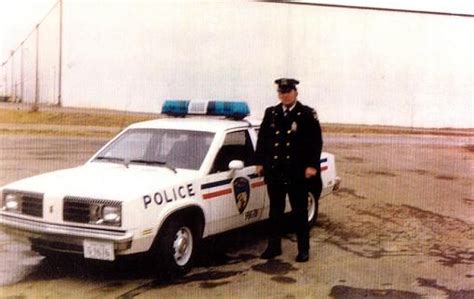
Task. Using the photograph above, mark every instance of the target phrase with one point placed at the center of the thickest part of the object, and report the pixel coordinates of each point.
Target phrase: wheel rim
(183, 246)
(311, 207)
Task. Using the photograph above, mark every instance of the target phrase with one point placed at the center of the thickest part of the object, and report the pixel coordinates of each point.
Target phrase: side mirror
(236, 165)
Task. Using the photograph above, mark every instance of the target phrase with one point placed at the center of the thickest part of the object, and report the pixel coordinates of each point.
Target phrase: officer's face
(288, 98)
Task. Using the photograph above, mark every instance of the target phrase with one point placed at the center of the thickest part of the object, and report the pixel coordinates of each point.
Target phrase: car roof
(196, 123)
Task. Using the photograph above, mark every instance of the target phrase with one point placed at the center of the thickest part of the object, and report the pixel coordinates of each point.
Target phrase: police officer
(288, 153)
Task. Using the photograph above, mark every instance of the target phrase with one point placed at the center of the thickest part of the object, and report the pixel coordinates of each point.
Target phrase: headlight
(111, 215)
(92, 211)
(11, 202)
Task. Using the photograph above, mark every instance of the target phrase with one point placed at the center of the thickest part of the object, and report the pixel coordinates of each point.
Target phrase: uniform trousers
(298, 196)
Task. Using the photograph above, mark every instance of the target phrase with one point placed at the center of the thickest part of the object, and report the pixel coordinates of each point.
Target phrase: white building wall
(7, 67)
(3, 87)
(29, 69)
(48, 58)
(16, 83)
(355, 65)
(133, 57)
(382, 67)
(32, 72)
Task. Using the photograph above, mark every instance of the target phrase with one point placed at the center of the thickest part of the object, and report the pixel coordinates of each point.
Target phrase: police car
(159, 187)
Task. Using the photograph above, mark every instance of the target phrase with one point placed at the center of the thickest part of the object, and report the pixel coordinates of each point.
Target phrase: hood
(104, 181)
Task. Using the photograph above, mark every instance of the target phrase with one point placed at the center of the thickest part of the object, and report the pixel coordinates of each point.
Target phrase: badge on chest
(294, 126)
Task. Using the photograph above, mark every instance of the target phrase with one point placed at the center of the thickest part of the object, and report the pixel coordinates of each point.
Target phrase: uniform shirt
(286, 146)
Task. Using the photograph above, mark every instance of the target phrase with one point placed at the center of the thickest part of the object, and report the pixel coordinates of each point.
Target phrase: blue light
(237, 110)
(231, 109)
(175, 107)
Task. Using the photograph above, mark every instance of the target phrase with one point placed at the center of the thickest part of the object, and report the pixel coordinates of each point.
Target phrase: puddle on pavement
(283, 279)
(450, 294)
(22, 264)
(274, 267)
(17, 261)
(211, 285)
(389, 230)
(345, 292)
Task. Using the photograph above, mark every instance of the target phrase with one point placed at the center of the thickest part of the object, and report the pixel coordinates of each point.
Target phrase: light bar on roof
(231, 109)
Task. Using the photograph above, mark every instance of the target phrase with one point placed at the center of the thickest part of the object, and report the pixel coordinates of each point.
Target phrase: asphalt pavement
(401, 226)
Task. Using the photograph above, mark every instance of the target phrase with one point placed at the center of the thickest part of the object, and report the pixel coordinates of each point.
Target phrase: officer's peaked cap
(286, 84)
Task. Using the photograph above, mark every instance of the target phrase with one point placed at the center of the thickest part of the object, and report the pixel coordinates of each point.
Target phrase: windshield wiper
(141, 161)
(110, 158)
(154, 162)
(105, 158)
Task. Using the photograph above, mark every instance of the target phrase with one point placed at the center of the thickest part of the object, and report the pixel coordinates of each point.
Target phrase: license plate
(99, 250)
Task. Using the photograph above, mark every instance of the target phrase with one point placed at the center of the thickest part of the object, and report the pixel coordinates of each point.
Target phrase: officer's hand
(310, 172)
(260, 170)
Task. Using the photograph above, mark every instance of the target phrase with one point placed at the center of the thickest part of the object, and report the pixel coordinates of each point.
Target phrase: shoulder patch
(315, 114)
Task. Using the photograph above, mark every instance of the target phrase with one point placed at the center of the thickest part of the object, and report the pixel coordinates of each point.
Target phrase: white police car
(158, 187)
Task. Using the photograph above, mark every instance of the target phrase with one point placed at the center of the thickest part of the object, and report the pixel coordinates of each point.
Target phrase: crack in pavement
(374, 231)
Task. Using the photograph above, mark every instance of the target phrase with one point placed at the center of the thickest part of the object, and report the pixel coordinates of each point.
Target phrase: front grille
(29, 203)
(85, 210)
(32, 205)
(76, 211)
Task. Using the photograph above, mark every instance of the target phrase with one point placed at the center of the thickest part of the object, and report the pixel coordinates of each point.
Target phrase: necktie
(286, 112)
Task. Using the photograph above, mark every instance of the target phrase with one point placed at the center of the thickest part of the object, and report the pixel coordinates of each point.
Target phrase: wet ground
(401, 226)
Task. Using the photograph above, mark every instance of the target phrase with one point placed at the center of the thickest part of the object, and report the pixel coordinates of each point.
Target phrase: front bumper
(61, 237)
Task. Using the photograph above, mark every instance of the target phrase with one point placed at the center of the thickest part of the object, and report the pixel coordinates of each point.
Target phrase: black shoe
(270, 253)
(302, 257)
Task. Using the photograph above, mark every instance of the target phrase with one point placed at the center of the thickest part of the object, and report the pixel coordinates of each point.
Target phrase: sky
(17, 20)
(19, 17)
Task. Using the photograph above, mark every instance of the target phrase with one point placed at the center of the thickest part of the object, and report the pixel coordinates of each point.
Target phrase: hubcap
(311, 207)
(183, 246)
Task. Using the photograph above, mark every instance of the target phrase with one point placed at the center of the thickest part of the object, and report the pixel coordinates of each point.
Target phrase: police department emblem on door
(241, 192)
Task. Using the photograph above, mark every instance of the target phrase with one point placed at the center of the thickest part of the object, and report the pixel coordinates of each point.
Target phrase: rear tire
(312, 210)
(177, 245)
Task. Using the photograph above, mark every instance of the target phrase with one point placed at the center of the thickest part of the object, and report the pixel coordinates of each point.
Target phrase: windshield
(170, 148)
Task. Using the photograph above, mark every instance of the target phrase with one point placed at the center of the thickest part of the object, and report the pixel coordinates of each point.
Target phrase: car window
(236, 146)
(175, 148)
(129, 146)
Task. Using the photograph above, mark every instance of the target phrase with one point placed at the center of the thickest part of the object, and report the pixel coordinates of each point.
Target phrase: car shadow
(229, 248)
(233, 247)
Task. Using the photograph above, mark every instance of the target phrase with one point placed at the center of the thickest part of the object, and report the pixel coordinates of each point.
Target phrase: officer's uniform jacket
(286, 146)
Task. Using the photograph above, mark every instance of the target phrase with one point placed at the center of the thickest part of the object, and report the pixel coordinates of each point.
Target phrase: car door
(235, 196)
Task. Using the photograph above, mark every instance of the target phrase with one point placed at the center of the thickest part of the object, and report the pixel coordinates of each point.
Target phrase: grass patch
(118, 119)
(393, 130)
(72, 118)
(41, 132)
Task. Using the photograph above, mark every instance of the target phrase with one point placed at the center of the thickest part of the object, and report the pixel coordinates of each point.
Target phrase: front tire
(177, 245)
